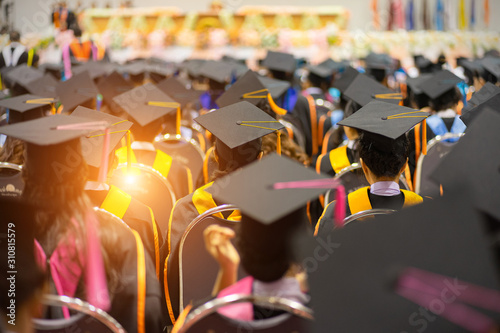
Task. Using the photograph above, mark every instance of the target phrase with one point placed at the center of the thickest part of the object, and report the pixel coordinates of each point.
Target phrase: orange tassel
(424, 137)
(278, 145)
(440, 190)
(274, 106)
(178, 122)
(408, 177)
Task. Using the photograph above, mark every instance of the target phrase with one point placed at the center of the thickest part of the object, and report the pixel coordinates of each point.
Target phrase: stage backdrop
(34, 15)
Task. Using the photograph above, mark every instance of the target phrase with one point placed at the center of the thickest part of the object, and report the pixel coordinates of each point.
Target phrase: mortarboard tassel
(67, 63)
(178, 121)
(129, 152)
(275, 106)
(278, 143)
(103, 171)
(424, 137)
(408, 177)
(339, 211)
(326, 183)
(98, 102)
(49, 101)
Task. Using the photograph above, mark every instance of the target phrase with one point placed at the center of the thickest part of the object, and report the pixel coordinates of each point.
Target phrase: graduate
(383, 151)
(146, 107)
(271, 241)
(237, 144)
(120, 278)
(134, 213)
(16, 54)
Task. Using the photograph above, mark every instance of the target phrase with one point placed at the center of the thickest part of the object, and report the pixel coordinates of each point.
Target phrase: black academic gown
(397, 202)
(324, 162)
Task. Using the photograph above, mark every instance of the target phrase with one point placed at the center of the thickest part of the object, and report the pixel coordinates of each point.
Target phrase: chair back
(367, 214)
(209, 164)
(88, 318)
(205, 318)
(185, 151)
(437, 148)
(197, 268)
(11, 180)
(149, 187)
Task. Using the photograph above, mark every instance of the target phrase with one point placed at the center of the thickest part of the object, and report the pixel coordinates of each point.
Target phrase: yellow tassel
(424, 137)
(408, 177)
(274, 106)
(278, 144)
(178, 122)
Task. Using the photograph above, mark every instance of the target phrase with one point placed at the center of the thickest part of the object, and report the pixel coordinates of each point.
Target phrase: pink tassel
(326, 183)
(97, 289)
(104, 159)
(94, 52)
(339, 212)
(66, 62)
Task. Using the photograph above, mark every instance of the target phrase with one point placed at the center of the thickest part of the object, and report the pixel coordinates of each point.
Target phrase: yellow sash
(339, 159)
(204, 201)
(116, 202)
(359, 200)
(162, 162)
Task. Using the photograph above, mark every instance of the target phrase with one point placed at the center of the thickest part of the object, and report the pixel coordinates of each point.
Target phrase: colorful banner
(462, 22)
(439, 15)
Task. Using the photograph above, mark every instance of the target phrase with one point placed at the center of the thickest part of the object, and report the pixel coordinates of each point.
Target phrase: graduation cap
(238, 123)
(135, 70)
(364, 89)
(423, 64)
(475, 161)
(248, 88)
(486, 98)
(193, 66)
(471, 68)
(414, 82)
(442, 236)
(111, 86)
(79, 90)
(379, 61)
(158, 71)
(253, 185)
(279, 61)
(146, 104)
(335, 66)
(174, 88)
(322, 72)
(276, 87)
(440, 83)
(93, 143)
(346, 78)
(217, 71)
(383, 122)
(22, 76)
(492, 66)
(55, 69)
(44, 86)
(96, 69)
(26, 107)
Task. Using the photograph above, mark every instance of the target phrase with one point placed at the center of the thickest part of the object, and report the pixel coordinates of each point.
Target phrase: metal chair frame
(431, 145)
(82, 307)
(301, 141)
(198, 219)
(178, 137)
(152, 171)
(367, 213)
(279, 303)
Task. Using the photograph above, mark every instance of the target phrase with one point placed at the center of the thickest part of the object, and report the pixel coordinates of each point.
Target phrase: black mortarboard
(55, 69)
(174, 88)
(334, 65)
(193, 66)
(276, 87)
(345, 79)
(25, 107)
(279, 61)
(492, 65)
(248, 88)
(414, 82)
(475, 161)
(422, 63)
(251, 188)
(364, 89)
(320, 71)
(52, 151)
(19, 77)
(384, 122)
(350, 283)
(93, 143)
(160, 70)
(238, 123)
(135, 70)
(471, 68)
(487, 97)
(79, 90)
(146, 103)
(44, 86)
(218, 71)
(379, 61)
(440, 83)
(96, 69)
(111, 86)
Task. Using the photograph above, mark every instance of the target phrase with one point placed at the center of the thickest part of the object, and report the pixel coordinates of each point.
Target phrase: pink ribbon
(339, 211)
(66, 62)
(326, 183)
